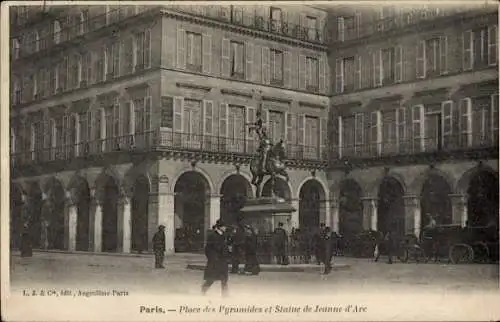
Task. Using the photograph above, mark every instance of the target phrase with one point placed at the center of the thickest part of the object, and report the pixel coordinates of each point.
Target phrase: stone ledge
(292, 268)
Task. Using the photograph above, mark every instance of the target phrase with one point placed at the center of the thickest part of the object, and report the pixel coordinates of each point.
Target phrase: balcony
(412, 151)
(255, 22)
(160, 141)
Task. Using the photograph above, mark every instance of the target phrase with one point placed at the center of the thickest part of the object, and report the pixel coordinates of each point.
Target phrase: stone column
(412, 215)
(97, 226)
(295, 220)
(162, 206)
(328, 217)
(214, 211)
(124, 225)
(70, 223)
(334, 204)
(459, 209)
(370, 205)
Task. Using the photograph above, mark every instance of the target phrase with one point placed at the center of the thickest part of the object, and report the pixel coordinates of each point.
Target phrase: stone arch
(198, 170)
(109, 192)
(227, 174)
(131, 176)
(53, 214)
(463, 183)
(374, 188)
(312, 196)
(323, 185)
(140, 192)
(192, 209)
(391, 209)
(79, 191)
(234, 190)
(103, 178)
(435, 198)
(416, 185)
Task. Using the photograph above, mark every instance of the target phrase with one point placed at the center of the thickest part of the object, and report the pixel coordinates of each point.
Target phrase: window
(193, 51)
(75, 71)
(492, 45)
(465, 121)
(350, 27)
(311, 138)
(83, 23)
(16, 91)
(57, 32)
(389, 131)
(276, 19)
(237, 60)
(143, 49)
(236, 15)
(402, 136)
(99, 64)
(128, 55)
(311, 28)
(113, 60)
(15, 48)
(388, 66)
(432, 57)
(192, 118)
(276, 126)
(480, 47)
(236, 128)
(345, 71)
(312, 77)
(276, 67)
(37, 41)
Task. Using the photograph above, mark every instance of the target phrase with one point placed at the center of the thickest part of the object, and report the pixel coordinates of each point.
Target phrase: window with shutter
(299, 153)
(492, 45)
(193, 52)
(312, 75)
(208, 118)
(225, 58)
(248, 60)
(340, 29)
(447, 124)
(250, 137)
(322, 69)
(223, 126)
(312, 128)
(418, 128)
(377, 68)
(207, 53)
(324, 139)
(266, 65)
(339, 75)
(443, 51)
(465, 111)
(147, 48)
(287, 69)
(276, 68)
(357, 72)
(398, 64)
(421, 59)
(401, 132)
(374, 133)
(467, 40)
(359, 133)
(178, 115)
(302, 72)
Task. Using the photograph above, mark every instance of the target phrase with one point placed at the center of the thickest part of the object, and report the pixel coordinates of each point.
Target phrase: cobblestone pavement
(136, 274)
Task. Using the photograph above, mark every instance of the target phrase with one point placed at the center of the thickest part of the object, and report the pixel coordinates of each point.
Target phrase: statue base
(265, 213)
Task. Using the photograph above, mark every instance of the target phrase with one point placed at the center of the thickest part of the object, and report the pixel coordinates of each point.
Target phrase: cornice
(193, 86)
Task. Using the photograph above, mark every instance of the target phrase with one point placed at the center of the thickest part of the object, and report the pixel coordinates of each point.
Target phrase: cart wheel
(481, 252)
(461, 253)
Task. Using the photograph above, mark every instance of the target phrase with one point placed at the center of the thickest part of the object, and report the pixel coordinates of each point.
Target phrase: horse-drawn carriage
(458, 244)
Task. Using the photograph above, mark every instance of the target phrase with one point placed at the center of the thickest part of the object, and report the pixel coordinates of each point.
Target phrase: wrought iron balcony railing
(158, 140)
(448, 144)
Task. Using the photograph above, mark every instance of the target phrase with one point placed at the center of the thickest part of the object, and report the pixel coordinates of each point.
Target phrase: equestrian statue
(269, 158)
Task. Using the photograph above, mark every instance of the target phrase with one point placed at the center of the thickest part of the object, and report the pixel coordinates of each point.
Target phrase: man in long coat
(217, 253)
(159, 246)
(325, 249)
(280, 244)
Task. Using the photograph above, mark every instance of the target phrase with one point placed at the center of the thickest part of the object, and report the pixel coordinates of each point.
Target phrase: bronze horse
(274, 166)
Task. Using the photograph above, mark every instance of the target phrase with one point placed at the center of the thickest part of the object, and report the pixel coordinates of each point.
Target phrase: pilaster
(70, 225)
(334, 205)
(459, 209)
(412, 215)
(295, 220)
(125, 225)
(370, 205)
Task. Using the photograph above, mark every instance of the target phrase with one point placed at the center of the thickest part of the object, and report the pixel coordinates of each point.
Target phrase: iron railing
(415, 146)
(161, 139)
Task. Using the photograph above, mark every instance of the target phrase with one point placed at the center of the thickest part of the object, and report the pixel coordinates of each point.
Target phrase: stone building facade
(413, 117)
(125, 118)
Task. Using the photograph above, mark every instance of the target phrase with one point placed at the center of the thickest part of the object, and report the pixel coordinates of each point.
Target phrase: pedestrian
(26, 242)
(325, 249)
(389, 245)
(280, 243)
(317, 242)
(159, 246)
(237, 245)
(217, 253)
(251, 261)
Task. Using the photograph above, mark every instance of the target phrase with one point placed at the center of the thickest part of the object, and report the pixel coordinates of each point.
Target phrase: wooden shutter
(322, 74)
(377, 68)
(494, 118)
(340, 29)
(301, 119)
(418, 127)
(359, 132)
(421, 59)
(266, 66)
(178, 114)
(468, 42)
(248, 61)
(147, 49)
(148, 102)
(287, 69)
(181, 48)
(398, 64)
(208, 117)
(465, 121)
(443, 54)
(447, 122)
(257, 63)
(324, 138)
(250, 141)
(357, 22)
(126, 128)
(339, 75)
(225, 58)
(492, 45)
(357, 72)
(223, 120)
(401, 129)
(207, 53)
(116, 119)
(302, 72)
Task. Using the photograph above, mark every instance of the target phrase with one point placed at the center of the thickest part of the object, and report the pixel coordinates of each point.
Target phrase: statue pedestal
(265, 213)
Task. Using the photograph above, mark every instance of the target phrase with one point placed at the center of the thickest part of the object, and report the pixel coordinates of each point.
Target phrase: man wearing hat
(159, 246)
(217, 254)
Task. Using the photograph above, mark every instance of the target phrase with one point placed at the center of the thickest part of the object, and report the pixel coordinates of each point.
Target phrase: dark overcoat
(159, 241)
(217, 254)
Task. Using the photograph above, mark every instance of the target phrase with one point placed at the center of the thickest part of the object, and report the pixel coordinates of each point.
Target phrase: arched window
(15, 48)
(57, 32)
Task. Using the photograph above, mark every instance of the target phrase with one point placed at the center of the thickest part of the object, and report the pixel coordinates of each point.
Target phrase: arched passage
(33, 214)
(110, 197)
(53, 216)
(16, 219)
(435, 200)
(234, 190)
(311, 197)
(192, 211)
(140, 210)
(81, 194)
(482, 204)
(350, 208)
(391, 210)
